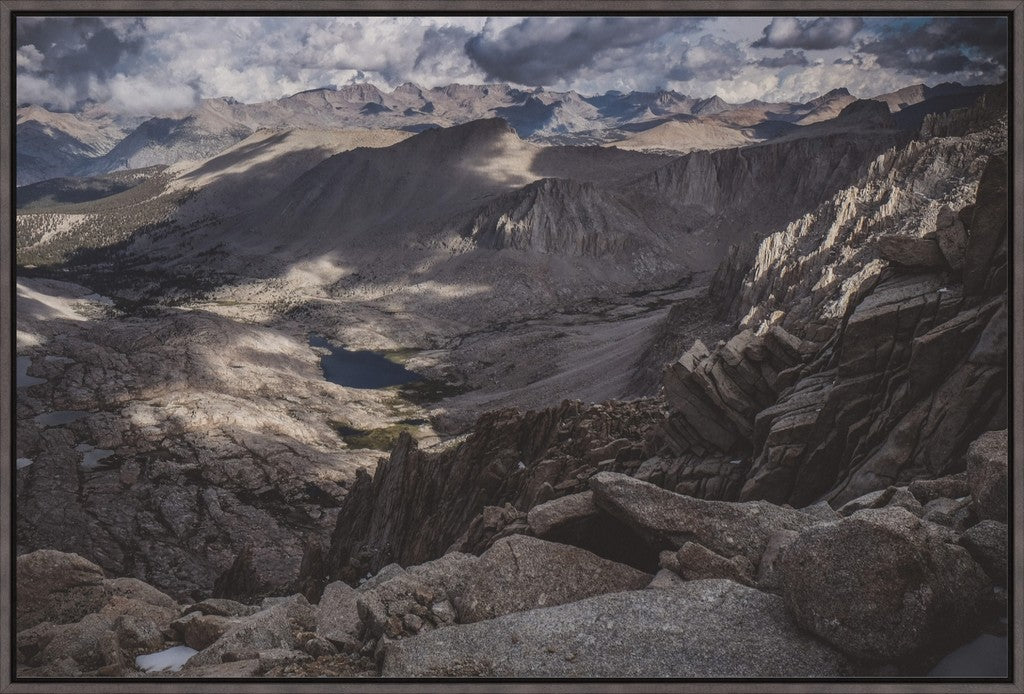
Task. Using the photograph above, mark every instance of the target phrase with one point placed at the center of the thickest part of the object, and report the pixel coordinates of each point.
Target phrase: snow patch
(170, 659)
(92, 456)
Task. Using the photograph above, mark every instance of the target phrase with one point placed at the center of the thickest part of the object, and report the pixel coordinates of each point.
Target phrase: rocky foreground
(885, 585)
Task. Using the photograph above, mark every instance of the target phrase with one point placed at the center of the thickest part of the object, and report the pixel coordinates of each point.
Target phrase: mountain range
(93, 141)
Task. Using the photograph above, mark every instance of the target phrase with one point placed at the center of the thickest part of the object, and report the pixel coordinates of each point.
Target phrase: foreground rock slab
(521, 572)
(671, 520)
(881, 584)
(72, 621)
(987, 470)
(710, 628)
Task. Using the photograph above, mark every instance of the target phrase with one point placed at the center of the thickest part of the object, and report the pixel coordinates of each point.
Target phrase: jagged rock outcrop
(889, 352)
(900, 340)
(816, 267)
(959, 121)
(738, 380)
(522, 459)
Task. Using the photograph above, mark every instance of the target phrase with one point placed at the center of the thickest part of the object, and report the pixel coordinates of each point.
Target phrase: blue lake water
(360, 369)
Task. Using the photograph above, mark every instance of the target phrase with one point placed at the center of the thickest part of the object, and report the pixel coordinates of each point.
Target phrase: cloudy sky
(157, 64)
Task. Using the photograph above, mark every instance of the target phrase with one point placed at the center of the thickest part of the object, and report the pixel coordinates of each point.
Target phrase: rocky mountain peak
(711, 105)
(828, 96)
(866, 112)
(362, 92)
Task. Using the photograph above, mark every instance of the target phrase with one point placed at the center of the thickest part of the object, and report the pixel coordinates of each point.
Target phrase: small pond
(59, 417)
(22, 379)
(360, 369)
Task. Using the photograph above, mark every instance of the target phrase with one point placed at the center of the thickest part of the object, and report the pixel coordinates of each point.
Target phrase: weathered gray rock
(427, 592)
(199, 630)
(90, 642)
(386, 573)
(952, 237)
(276, 657)
(248, 667)
(77, 620)
(57, 587)
(671, 520)
(221, 607)
(989, 545)
(550, 516)
(768, 569)
(949, 487)
(666, 579)
(274, 627)
(890, 496)
(710, 628)
(911, 251)
(696, 561)
(318, 647)
(138, 634)
(521, 573)
(988, 225)
(987, 462)
(880, 584)
(956, 514)
(337, 617)
(821, 510)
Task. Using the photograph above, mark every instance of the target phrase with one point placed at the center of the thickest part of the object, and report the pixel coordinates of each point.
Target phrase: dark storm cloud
(709, 59)
(811, 34)
(440, 44)
(75, 49)
(944, 45)
(545, 50)
(787, 59)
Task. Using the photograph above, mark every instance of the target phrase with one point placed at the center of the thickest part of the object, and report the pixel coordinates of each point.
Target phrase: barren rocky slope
(58, 144)
(832, 475)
